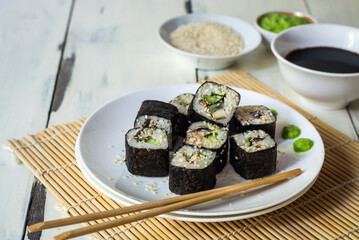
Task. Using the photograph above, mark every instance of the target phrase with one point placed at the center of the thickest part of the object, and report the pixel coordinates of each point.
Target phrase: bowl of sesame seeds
(208, 41)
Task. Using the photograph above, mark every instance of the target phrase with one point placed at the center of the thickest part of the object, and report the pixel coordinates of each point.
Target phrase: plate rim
(198, 212)
(201, 218)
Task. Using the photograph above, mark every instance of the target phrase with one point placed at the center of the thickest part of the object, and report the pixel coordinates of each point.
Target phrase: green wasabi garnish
(277, 22)
(290, 132)
(303, 145)
(273, 111)
(151, 140)
(213, 98)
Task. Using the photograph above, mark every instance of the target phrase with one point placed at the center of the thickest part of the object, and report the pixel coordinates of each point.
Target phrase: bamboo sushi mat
(329, 210)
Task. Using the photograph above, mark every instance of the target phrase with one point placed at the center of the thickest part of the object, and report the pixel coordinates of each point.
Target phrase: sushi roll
(182, 103)
(192, 170)
(147, 152)
(254, 117)
(157, 114)
(213, 102)
(210, 136)
(253, 154)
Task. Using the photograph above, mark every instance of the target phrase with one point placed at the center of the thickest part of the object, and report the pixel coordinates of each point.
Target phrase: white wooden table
(62, 59)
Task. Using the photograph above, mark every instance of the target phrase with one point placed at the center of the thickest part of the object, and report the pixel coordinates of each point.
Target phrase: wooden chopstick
(156, 207)
(113, 212)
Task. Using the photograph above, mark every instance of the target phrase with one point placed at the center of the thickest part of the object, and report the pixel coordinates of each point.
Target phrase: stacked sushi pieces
(209, 136)
(205, 120)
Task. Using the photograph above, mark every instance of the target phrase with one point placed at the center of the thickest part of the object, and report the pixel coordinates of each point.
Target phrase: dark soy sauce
(325, 59)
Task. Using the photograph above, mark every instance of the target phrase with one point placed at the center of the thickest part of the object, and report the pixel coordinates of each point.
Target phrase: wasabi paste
(277, 22)
(290, 132)
(303, 145)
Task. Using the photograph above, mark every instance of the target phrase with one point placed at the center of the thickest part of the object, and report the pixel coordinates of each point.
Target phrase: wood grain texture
(30, 35)
(36, 210)
(63, 80)
(117, 52)
(330, 11)
(245, 9)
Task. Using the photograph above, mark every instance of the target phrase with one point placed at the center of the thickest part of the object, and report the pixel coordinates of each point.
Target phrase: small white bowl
(268, 36)
(320, 89)
(249, 34)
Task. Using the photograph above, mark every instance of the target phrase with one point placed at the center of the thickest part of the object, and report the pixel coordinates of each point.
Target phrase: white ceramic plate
(101, 143)
(192, 218)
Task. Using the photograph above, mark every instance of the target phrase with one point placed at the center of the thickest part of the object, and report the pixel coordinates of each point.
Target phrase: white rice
(207, 38)
(156, 122)
(266, 141)
(230, 102)
(192, 157)
(182, 102)
(198, 138)
(136, 138)
(246, 115)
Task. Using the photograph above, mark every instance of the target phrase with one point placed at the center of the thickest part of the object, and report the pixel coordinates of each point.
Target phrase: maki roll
(213, 102)
(210, 136)
(192, 170)
(147, 152)
(254, 117)
(253, 154)
(157, 114)
(182, 103)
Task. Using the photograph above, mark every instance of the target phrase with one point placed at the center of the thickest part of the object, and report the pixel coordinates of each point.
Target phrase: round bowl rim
(295, 13)
(243, 52)
(316, 72)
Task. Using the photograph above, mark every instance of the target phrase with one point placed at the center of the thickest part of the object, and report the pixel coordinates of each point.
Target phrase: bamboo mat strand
(329, 210)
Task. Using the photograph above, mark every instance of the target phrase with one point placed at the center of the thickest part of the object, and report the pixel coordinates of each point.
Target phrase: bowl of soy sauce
(320, 62)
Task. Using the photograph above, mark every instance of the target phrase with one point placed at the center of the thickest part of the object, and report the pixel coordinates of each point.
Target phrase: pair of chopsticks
(153, 208)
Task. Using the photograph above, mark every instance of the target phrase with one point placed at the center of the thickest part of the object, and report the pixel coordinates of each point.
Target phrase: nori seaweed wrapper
(184, 181)
(194, 116)
(251, 165)
(184, 124)
(221, 157)
(164, 110)
(147, 162)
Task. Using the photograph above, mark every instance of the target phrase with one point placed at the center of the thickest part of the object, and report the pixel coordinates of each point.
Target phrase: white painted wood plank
(353, 109)
(339, 12)
(54, 210)
(116, 51)
(262, 64)
(245, 9)
(30, 35)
